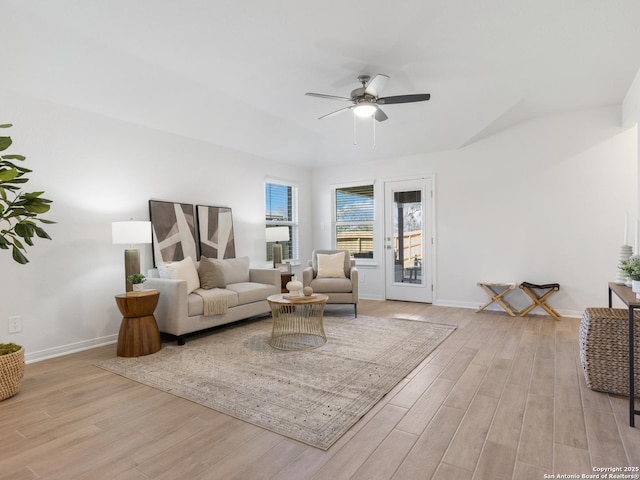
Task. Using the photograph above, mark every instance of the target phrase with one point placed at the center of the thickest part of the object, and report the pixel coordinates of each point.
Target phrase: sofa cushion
(211, 272)
(331, 265)
(249, 292)
(184, 270)
(195, 303)
(236, 270)
(331, 285)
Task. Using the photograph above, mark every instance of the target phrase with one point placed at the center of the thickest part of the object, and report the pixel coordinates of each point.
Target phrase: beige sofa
(232, 291)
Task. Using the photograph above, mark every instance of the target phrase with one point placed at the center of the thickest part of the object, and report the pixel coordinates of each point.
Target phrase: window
(281, 210)
(354, 216)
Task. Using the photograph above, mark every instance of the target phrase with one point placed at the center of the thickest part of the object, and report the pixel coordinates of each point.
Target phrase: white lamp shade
(277, 234)
(131, 232)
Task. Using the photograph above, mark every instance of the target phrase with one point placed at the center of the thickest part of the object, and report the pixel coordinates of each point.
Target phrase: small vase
(635, 287)
(138, 287)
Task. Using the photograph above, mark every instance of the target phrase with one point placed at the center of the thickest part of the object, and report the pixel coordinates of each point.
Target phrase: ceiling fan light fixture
(364, 109)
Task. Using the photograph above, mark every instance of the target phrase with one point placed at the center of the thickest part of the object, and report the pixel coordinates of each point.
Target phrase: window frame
(335, 223)
(292, 224)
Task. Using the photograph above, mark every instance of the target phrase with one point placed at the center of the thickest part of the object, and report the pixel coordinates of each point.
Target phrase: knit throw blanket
(215, 301)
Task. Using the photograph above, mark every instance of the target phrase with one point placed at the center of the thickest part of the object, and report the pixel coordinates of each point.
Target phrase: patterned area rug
(313, 396)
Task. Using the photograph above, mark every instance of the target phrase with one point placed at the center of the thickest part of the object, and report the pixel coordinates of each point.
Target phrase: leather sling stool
(539, 300)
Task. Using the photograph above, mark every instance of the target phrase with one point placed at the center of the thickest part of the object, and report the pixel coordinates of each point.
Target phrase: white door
(408, 240)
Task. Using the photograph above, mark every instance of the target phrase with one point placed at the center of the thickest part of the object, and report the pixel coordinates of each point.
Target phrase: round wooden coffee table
(139, 334)
(297, 322)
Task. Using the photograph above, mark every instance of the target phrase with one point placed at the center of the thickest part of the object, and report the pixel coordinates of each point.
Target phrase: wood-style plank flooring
(501, 398)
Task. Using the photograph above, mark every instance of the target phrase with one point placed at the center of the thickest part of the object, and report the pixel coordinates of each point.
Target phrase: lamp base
(277, 254)
(131, 266)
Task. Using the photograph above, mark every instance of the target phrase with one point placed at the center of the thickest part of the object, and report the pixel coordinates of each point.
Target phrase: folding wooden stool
(540, 300)
(498, 296)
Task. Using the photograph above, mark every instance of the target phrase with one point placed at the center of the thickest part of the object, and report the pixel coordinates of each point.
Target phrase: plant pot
(11, 373)
(635, 287)
(138, 287)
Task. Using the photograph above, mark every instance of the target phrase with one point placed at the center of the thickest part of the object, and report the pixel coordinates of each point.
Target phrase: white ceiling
(234, 72)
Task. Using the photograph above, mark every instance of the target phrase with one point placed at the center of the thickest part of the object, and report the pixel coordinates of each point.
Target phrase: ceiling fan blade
(418, 97)
(330, 97)
(376, 85)
(335, 113)
(380, 115)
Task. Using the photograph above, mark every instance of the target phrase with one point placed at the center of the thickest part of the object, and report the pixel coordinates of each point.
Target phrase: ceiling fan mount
(366, 100)
(364, 79)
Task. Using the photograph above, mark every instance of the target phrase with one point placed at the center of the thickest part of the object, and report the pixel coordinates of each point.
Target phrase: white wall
(542, 202)
(98, 170)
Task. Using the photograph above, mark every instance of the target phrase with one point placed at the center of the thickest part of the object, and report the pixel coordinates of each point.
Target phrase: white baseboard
(455, 303)
(496, 308)
(371, 297)
(67, 349)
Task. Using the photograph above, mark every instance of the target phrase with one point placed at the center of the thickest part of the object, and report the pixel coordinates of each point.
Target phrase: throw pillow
(236, 270)
(331, 265)
(162, 271)
(185, 270)
(211, 273)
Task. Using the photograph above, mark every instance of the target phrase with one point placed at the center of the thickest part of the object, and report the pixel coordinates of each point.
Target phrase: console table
(625, 294)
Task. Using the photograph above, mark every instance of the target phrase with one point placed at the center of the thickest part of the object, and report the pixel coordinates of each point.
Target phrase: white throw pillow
(162, 271)
(236, 270)
(185, 270)
(331, 265)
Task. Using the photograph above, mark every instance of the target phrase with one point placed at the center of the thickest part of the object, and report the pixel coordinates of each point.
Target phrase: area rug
(312, 396)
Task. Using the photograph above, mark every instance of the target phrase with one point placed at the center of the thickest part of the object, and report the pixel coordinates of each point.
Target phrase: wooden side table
(284, 279)
(139, 334)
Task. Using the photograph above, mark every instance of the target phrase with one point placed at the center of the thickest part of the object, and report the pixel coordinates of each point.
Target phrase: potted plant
(19, 212)
(631, 267)
(136, 279)
(11, 369)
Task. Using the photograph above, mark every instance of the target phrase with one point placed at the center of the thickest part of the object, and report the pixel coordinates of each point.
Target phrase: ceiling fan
(365, 100)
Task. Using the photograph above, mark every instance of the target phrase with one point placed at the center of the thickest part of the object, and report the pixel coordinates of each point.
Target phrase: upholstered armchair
(333, 273)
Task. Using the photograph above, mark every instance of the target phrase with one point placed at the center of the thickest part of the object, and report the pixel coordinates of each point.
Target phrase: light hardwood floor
(501, 398)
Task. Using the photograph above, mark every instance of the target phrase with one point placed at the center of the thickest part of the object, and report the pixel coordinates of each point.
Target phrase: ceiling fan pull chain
(373, 121)
(355, 141)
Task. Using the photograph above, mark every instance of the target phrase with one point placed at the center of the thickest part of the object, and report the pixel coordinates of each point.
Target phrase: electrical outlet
(15, 324)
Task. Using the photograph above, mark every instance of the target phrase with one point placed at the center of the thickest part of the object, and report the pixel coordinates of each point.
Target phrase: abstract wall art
(174, 232)
(215, 229)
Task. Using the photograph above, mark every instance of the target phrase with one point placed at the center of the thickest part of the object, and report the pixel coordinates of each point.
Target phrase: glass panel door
(408, 240)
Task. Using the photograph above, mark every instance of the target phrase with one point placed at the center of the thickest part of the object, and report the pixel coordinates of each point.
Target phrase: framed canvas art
(173, 230)
(215, 230)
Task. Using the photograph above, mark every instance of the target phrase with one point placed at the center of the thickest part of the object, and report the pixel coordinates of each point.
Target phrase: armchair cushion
(331, 265)
(331, 285)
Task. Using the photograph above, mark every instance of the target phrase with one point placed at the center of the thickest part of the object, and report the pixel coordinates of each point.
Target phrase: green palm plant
(19, 211)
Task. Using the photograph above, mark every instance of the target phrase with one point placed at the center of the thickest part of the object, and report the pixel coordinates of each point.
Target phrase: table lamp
(131, 233)
(277, 234)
